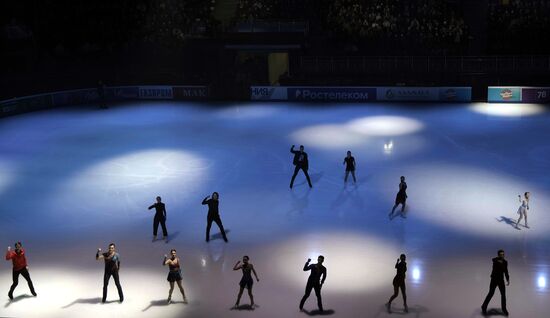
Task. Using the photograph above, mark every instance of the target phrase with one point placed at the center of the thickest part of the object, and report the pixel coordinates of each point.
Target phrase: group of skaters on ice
(318, 272)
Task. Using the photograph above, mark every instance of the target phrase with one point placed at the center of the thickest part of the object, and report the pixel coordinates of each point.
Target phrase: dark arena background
(105, 105)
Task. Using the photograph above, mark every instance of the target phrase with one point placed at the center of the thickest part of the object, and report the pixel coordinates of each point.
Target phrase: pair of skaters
(112, 267)
(213, 216)
(498, 274)
(301, 162)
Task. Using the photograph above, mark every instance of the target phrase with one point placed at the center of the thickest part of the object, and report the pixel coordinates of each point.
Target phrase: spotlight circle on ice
(328, 137)
(132, 179)
(473, 200)
(385, 126)
(344, 253)
(507, 109)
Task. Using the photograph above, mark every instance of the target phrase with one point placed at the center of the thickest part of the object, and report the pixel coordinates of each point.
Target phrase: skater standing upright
(523, 208)
(349, 161)
(314, 281)
(174, 275)
(246, 280)
(401, 197)
(160, 217)
(112, 266)
(500, 271)
(213, 215)
(399, 282)
(19, 268)
(300, 162)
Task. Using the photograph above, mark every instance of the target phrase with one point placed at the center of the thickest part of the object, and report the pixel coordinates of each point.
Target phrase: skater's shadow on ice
(490, 312)
(218, 236)
(16, 299)
(172, 236)
(244, 307)
(91, 301)
(508, 221)
(326, 312)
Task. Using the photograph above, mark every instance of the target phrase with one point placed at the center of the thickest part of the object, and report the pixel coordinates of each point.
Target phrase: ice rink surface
(75, 179)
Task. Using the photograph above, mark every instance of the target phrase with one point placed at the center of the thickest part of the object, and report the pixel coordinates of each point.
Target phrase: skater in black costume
(246, 280)
(401, 197)
(174, 275)
(500, 271)
(160, 217)
(349, 161)
(399, 282)
(314, 281)
(300, 161)
(213, 215)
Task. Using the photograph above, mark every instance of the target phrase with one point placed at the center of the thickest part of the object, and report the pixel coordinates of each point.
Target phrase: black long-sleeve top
(317, 270)
(160, 208)
(401, 269)
(212, 206)
(350, 163)
(500, 269)
(300, 158)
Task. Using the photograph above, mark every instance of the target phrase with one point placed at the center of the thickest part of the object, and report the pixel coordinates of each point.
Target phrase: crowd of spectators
(423, 26)
(519, 26)
(248, 10)
(374, 26)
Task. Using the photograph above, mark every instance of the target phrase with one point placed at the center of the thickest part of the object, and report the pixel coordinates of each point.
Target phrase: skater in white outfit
(522, 210)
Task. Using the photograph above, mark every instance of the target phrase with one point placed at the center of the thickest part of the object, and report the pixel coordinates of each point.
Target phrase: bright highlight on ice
(507, 110)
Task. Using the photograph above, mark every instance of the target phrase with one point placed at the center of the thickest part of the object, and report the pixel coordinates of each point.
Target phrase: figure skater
(213, 215)
(20, 267)
(314, 281)
(500, 270)
(522, 210)
(112, 266)
(160, 217)
(399, 282)
(246, 280)
(174, 275)
(300, 162)
(349, 161)
(401, 197)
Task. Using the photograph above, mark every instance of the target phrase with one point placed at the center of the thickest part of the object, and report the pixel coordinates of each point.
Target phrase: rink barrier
(518, 94)
(360, 93)
(90, 95)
